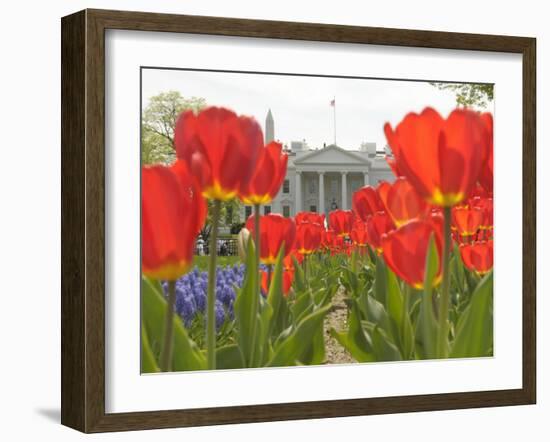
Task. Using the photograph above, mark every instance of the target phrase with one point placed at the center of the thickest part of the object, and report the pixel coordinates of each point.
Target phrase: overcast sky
(301, 105)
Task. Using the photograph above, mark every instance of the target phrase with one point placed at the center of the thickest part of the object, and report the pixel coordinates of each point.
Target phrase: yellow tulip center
(169, 271)
(217, 192)
(257, 199)
(446, 199)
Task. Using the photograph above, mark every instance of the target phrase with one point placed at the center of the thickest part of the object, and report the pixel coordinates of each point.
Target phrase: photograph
(274, 222)
(304, 220)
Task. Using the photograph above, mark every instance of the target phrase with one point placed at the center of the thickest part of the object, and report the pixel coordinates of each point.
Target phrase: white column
(365, 178)
(322, 192)
(276, 206)
(344, 190)
(298, 191)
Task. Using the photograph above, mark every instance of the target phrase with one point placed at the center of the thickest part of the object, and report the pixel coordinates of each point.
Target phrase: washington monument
(269, 128)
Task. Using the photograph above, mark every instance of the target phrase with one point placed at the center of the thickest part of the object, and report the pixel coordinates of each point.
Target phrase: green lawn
(202, 261)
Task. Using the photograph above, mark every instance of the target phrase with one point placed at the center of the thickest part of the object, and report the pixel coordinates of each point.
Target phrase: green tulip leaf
(398, 310)
(474, 331)
(384, 348)
(148, 362)
(355, 341)
(275, 299)
(291, 350)
(186, 355)
(303, 306)
(314, 354)
(377, 314)
(246, 308)
(426, 330)
(229, 356)
(380, 281)
(299, 278)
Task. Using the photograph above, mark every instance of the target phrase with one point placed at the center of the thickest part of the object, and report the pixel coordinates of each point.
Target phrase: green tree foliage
(154, 148)
(158, 123)
(229, 216)
(469, 94)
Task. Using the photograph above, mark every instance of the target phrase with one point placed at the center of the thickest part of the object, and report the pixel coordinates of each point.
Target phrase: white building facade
(321, 180)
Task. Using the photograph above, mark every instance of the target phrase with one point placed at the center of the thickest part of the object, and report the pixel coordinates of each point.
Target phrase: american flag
(333, 102)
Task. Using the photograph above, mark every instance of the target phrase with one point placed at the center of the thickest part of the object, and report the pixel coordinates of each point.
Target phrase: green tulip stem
(269, 271)
(442, 344)
(168, 337)
(257, 288)
(406, 302)
(257, 246)
(211, 294)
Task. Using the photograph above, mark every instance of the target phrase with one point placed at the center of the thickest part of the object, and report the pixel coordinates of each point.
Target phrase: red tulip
(442, 159)
(383, 189)
(309, 217)
(288, 262)
(268, 176)
(434, 210)
(341, 221)
(327, 238)
(436, 218)
(486, 207)
(348, 249)
(378, 225)
(455, 236)
(486, 175)
(478, 257)
(479, 192)
(288, 277)
(359, 234)
(330, 241)
(275, 230)
(220, 149)
(173, 211)
(403, 202)
(366, 202)
(393, 166)
(487, 233)
(405, 250)
(467, 220)
(338, 245)
(308, 237)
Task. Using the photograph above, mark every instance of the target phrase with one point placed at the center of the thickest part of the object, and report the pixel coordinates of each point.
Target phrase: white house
(324, 179)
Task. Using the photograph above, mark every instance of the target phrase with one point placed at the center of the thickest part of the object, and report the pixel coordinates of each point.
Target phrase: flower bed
(413, 257)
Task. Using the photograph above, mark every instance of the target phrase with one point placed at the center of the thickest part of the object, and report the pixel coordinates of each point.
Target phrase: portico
(323, 180)
(327, 190)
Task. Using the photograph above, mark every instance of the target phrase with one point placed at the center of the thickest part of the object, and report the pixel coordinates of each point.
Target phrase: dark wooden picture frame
(83, 219)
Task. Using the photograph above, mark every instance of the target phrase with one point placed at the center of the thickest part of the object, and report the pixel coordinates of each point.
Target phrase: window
(286, 186)
(267, 210)
(286, 211)
(247, 211)
(313, 208)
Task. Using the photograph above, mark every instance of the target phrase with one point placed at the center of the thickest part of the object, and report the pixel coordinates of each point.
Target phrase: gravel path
(337, 318)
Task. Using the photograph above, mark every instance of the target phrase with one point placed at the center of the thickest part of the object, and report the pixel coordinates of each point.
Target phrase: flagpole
(334, 107)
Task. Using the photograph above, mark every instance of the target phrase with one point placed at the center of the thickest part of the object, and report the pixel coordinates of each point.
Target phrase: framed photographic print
(270, 220)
